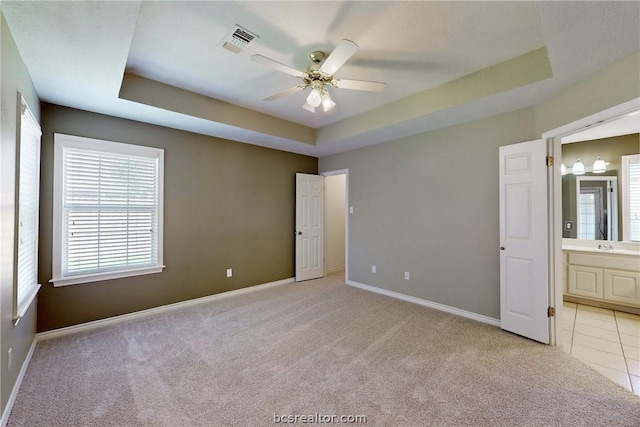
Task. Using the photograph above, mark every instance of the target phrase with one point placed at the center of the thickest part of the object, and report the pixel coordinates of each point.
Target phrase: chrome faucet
(605, 247)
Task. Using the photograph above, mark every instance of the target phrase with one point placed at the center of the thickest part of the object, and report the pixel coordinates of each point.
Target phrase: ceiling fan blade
(360, 85)
(276, 65)
(340, 55)
(285, 92)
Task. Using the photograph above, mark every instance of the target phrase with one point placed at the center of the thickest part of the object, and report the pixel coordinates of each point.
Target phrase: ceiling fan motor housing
(317, 56)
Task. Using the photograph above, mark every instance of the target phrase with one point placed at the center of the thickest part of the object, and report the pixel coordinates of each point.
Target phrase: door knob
(502, 248)
(299, 233)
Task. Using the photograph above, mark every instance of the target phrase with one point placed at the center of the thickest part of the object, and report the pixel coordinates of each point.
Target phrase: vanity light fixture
(599, 166)
(578, 167)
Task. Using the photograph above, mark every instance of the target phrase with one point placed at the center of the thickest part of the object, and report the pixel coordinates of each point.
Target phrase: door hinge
(549, 160)
(551, 311)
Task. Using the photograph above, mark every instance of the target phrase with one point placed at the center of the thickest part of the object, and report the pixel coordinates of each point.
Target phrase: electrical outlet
(229, 272)
(374, 269)
(9, 358)
(406, 275)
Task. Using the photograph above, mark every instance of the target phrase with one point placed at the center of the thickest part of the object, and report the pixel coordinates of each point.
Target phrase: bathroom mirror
(593, 204)
(597, 207)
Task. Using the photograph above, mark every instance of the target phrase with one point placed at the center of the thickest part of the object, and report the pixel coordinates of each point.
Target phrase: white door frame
(554, 146)
(344, 172)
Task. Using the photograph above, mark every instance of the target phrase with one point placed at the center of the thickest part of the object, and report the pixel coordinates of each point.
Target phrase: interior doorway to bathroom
(336, 222)
(598, 325)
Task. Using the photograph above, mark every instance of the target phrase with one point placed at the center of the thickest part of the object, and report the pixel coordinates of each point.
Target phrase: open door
(524, 258)
(309, 226)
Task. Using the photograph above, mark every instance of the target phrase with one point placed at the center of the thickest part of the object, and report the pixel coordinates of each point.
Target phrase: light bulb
(578, 167)
(563, 169)
(327, 103)
(314, 99)
(308, 107)
(599, 166)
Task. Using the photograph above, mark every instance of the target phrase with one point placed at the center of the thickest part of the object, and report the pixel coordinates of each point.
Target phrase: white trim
(89, 278)
(16, 387)
(26, 303)
(430, 304)
(63, 141)
(588, 121)
(156, 310)
(627, 161)
(22, 300)
(554, 229)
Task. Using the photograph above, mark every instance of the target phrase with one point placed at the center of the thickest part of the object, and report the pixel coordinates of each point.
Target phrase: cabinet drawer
(605, 260)
(622, 286)
(586, 281)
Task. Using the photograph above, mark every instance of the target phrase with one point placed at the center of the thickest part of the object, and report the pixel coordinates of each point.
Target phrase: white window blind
(28, 191)
(631, 197)
(110, 210)
(587, 222)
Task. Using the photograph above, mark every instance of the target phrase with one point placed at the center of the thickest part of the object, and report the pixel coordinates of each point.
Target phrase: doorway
(600, 336)
(336, 222)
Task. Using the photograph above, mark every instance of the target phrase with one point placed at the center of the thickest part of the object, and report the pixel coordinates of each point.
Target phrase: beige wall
(428, 204)
(335, 186)
(612, 86)
(15, 78)
(227, 205)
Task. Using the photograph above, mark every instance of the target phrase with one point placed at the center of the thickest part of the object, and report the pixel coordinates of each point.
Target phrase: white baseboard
(430, 304)
(162, 309)
(16, 387)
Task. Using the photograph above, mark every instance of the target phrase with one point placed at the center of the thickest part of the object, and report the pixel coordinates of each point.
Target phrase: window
(27, 190)
(631, 198)
(587, 221)
(107, 210)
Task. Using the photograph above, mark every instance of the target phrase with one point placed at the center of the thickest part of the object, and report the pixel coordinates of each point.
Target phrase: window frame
(27, 128)
(626, 195)
(62, 141)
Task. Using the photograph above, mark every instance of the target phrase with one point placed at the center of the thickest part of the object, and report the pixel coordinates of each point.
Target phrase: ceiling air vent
(238, 40)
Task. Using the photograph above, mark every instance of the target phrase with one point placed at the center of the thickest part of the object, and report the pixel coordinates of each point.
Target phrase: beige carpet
(313, 347)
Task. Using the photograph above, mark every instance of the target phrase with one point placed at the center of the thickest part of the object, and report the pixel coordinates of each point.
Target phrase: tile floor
(606, 340)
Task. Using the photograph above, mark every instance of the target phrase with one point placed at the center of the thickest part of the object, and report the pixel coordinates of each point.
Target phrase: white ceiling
(78, 52)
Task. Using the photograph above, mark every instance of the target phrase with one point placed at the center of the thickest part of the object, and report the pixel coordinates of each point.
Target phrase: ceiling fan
(320, 75)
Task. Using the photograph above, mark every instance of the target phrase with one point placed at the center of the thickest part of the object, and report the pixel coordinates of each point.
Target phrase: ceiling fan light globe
(308, 107)
(327, 103)
(314, 99)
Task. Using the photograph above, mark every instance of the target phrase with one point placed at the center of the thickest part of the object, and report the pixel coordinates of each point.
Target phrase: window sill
(76, 280)
(24, 305)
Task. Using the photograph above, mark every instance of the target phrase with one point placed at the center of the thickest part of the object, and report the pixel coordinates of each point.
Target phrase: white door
(523, 240)
(309, 226)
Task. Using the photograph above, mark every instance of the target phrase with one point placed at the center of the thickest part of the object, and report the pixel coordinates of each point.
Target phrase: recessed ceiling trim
(532, 67)
(149, 92)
